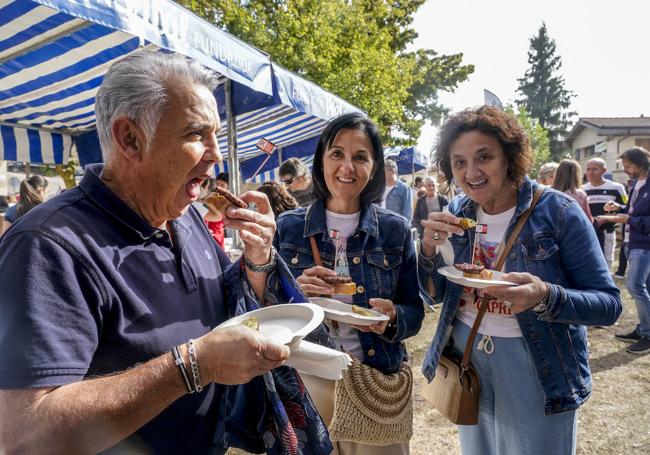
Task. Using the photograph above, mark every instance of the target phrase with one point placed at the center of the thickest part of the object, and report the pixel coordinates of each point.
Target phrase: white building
(607, 138)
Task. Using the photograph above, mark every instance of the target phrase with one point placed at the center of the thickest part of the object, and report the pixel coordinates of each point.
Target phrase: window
(644, 142)
(577, 154)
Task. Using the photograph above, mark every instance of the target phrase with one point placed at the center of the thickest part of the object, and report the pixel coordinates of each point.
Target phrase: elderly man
(110, 291)
(397, 195)
(295, 175)
(599, 192)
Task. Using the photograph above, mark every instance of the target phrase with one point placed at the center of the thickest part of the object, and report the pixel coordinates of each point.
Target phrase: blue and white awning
(21, 144)
(292, 118)
(54, 53)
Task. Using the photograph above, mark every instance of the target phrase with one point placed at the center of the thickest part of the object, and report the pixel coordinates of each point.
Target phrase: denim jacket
(382, 263)
(400, 200)
(639, 220)
(558, 245)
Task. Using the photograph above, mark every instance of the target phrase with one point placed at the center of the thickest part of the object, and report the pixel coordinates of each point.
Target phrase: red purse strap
(467, 354)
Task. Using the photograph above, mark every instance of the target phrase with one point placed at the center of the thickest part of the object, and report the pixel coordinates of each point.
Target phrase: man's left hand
(256, 228)
(528, 292)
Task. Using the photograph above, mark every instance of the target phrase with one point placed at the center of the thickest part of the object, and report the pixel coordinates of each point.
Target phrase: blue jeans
(638, 283)
(511, 405)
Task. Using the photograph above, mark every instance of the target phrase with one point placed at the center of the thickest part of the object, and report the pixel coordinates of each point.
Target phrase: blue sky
(604, 47)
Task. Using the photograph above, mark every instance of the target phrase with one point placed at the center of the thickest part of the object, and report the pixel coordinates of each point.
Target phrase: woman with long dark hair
(357, 238)
(33, 191)
(567, 180)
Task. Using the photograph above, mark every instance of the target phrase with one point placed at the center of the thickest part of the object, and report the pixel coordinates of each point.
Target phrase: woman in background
(567, 180)
(279, 197)
(33, 191)
(546, 173)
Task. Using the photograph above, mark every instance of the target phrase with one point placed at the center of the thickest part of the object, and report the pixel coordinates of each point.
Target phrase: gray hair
(430, 179)
(390, 165)
(135, 87)
(599, 161)
(546, 170)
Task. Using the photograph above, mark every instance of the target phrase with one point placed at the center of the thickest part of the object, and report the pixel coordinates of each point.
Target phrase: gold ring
(436, 235)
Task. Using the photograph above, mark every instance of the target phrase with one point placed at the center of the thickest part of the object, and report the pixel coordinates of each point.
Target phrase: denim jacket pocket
(540, 247)
(297, 259)
(385, 268)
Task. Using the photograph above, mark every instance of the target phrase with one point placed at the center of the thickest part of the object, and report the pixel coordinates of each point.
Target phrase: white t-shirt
(498, 321)
(344, 335)
(385, 195)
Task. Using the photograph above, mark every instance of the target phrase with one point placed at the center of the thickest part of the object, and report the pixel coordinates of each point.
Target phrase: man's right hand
(235, 355)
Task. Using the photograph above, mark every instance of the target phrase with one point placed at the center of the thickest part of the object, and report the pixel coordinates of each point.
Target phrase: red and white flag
(481, 228)
(334, 234)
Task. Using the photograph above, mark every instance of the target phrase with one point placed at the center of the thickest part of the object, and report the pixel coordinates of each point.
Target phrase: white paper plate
(284, 324)
(342, 312)
(456, 276)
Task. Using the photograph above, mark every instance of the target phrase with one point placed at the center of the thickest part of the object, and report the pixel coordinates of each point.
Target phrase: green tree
(356, 49)
(539, 140)
(543, 92)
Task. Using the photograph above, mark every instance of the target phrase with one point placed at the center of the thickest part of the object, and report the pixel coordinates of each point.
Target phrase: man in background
(599, 192)
(295, 175)
(397, 195)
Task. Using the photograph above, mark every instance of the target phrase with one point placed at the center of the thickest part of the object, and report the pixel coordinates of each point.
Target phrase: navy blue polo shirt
(88, 288)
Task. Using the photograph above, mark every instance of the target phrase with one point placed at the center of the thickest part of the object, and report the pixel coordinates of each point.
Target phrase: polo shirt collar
(95, 188)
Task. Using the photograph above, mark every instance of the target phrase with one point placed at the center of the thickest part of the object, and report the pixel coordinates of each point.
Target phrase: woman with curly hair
(531, 351)
(279, 197)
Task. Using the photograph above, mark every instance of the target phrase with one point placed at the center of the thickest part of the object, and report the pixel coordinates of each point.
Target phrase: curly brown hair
(279, 197)
(493, 122)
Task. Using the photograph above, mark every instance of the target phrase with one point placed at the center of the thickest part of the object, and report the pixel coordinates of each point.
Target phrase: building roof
(612, 126)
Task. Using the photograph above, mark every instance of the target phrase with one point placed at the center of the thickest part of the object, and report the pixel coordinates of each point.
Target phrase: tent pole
(233, 162)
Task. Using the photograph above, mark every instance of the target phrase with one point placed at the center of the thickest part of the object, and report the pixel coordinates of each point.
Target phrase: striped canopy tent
(291, 118)
(54, 53)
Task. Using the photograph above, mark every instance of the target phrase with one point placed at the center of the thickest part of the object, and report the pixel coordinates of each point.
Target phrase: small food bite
(474, 271)
(252, 323)
(342, 284)
(361, 311)
(466, 223)
(219, 201)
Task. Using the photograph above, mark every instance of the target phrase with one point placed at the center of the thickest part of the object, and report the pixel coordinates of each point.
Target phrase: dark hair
(637, 155)
(419, 179)
(374, 190)
(567, 176)
(294, 168)
(224, 176)
(279, 198)
(30, 196)
(492, 122)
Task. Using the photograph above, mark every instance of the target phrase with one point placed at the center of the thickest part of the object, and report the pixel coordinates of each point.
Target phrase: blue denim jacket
(558, 245)
(400, 200)
(382, 263)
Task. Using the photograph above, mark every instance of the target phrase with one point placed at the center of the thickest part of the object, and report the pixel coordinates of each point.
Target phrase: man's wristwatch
(541, 306)
(263, 268)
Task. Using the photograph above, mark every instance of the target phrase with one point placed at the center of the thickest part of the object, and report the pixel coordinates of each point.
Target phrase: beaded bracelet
(196, 376)
(178, 360)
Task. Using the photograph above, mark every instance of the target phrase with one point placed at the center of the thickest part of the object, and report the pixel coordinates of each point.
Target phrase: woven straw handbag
(373, 408)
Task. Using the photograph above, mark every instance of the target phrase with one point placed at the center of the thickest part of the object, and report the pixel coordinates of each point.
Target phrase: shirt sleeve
(50, 312)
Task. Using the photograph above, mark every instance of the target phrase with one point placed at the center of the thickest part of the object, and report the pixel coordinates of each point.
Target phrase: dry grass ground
(615, 420)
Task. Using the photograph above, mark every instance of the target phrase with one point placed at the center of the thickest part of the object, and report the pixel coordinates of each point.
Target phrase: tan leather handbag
(455, 388)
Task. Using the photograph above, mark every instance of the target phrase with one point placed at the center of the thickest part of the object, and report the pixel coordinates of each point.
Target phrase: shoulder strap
(314, 250)
(499, 265)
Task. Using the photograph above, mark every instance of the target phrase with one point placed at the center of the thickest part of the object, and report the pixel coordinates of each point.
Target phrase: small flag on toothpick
(334, 234)
(481, 228)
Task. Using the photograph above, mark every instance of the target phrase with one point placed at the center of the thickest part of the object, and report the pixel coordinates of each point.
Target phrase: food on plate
(466, 223)
(343, 285)
(474, 271)
(219, 201)
(361, 311)
(252, 323)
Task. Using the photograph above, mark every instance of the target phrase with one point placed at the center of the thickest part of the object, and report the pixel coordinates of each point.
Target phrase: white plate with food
(348, 313)
(284, 324)
(456, 276)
